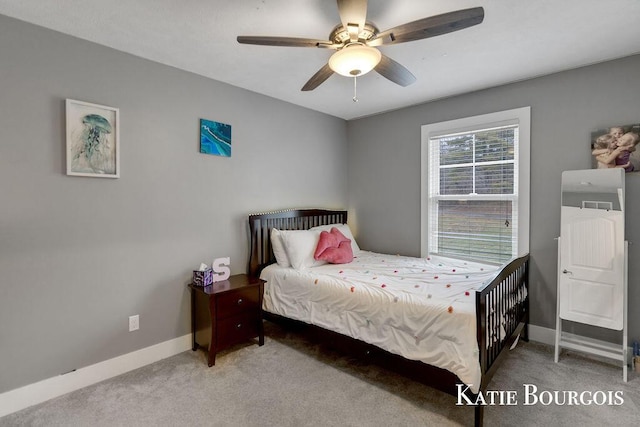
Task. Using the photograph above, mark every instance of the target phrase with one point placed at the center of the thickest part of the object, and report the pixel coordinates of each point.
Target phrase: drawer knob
(239, 301)
(239, 325)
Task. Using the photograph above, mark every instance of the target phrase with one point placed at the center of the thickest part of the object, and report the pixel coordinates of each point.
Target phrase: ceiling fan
(355, 40)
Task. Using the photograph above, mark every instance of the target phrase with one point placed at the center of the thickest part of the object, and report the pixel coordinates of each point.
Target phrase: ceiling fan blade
(395, 72)
(353, 14)
(318, 78)
(283, 41)
(430, 27)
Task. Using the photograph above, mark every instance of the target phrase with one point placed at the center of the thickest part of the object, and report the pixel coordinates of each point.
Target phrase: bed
(440, 321)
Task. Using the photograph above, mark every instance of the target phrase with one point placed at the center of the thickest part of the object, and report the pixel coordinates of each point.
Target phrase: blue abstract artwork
(215, 138)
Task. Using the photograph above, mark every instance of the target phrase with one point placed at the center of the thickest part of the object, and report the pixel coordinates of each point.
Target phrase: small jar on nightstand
(226, 313)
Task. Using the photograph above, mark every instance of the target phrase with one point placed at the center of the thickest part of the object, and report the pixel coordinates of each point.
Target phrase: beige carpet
(291, 382)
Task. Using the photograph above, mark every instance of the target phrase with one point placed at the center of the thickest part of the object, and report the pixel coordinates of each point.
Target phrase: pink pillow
(333, 247)
(340, 255)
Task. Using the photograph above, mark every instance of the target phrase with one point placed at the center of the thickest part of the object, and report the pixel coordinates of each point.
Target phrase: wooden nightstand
(226, 313)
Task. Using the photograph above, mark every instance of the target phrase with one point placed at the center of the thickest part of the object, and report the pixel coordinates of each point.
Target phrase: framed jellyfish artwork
(93, 140)
(215, 138)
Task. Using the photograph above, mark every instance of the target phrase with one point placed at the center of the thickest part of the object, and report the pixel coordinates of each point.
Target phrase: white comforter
(421, 309)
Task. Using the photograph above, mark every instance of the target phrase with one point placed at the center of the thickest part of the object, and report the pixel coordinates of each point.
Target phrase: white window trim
(522, 116)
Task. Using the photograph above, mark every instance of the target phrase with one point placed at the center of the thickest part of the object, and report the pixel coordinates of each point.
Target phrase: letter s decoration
(221, 269)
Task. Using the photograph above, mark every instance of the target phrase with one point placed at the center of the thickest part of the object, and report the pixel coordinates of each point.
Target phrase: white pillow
(278, 248)
(344, 229)
(300, 246)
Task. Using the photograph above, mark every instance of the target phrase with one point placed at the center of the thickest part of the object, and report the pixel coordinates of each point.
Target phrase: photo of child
(615, 147)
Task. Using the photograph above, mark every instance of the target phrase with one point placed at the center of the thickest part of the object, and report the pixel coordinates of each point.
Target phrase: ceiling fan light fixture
(355, 40)
(355, 60)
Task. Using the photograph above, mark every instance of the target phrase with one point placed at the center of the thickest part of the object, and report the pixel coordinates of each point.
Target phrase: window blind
(473, 184)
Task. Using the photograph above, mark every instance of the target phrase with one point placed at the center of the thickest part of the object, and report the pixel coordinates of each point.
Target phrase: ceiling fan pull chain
(355, 89)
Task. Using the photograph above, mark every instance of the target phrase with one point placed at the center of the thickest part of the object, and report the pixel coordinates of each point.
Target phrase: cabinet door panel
(591, 276)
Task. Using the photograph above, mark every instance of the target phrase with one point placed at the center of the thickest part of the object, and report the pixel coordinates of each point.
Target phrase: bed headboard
(260, 226)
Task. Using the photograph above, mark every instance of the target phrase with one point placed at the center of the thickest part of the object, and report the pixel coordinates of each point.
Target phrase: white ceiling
(518, 39)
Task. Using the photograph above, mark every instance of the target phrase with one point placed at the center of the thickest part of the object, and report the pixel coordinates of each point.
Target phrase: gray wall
(384, 167)
(79, 255)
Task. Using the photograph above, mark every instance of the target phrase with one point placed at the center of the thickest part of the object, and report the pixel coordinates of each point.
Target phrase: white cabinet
(592, 260)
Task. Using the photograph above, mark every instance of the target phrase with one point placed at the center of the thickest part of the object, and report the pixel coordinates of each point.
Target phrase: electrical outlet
(134, 323)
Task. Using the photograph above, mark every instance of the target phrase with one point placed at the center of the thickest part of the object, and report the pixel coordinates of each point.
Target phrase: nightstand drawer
(238, 301)
(237, 328)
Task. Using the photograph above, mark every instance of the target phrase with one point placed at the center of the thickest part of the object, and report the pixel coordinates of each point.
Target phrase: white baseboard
(32, 394)
(542, 335)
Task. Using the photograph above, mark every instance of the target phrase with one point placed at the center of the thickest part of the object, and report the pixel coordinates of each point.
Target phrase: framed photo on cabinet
(616, 147)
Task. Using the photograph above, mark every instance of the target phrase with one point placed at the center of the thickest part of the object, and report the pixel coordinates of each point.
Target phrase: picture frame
(92, 140)
(215, 138)
(616, 146)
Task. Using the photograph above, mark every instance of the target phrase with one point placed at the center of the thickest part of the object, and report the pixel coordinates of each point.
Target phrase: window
(475, 192)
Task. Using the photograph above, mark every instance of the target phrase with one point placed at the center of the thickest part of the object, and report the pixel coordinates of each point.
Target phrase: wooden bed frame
(496, 303)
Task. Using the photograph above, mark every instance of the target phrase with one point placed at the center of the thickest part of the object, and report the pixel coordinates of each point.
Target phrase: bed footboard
(502, 315)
